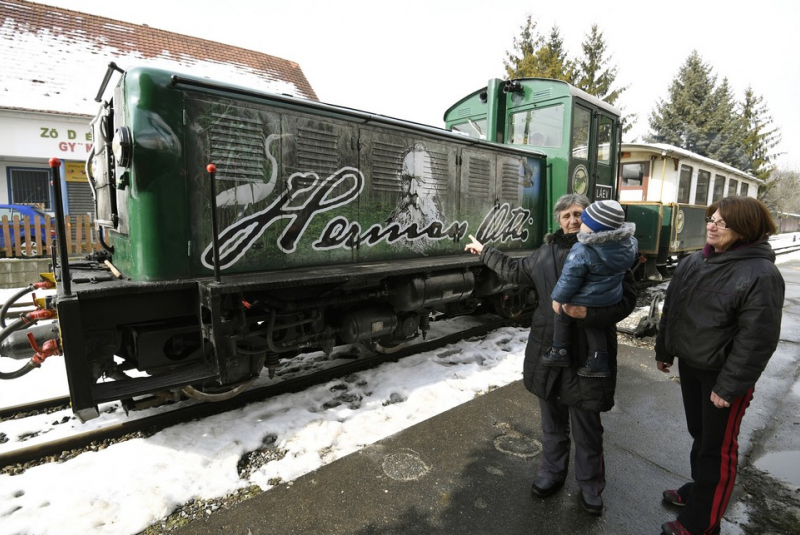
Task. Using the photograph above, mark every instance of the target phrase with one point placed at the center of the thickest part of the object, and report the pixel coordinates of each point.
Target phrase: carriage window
(703, 181)
(684, 184)
(743, 190)
(540, 127)
(472, 128)
(719, 187)
(580, 133)
(604, 140)
(633, 174)
(732, 187)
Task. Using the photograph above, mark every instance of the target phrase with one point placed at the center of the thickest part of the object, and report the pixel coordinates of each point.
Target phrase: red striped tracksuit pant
(715, 450)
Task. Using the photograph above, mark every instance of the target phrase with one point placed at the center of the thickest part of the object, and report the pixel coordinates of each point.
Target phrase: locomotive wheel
(509, 304)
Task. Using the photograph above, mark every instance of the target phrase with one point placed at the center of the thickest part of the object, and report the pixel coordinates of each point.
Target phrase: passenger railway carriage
(665, 190)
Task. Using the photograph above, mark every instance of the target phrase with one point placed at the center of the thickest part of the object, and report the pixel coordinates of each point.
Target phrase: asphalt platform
(468, 471)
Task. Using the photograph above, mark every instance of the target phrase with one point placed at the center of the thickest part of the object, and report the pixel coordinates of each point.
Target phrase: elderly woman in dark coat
(722, 320)
(563, 395)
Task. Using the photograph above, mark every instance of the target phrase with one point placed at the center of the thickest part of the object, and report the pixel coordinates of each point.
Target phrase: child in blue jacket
(592, 277)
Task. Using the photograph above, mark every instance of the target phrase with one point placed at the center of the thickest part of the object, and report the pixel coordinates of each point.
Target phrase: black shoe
(593, 504)
(596, 366)
(559, 357)
(544, 487)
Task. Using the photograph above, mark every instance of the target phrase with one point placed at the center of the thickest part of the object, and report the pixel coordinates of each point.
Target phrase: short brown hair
(746, 216)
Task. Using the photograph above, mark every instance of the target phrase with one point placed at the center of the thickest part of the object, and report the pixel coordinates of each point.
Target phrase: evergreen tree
(684, 119)
(725, 129)
(535, 56)
(524, 46)
(595, 76)
(760, 137)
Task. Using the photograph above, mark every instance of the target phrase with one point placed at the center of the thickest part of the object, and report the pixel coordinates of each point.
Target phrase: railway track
(48, 451)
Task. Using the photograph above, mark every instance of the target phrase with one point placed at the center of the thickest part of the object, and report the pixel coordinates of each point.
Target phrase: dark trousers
(715, 450)
(562, 337)
(587, 433)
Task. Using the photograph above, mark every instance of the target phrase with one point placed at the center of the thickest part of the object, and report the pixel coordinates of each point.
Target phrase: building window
(732, 187)
(30, 186)
(685, 184)
(719, 187)
(744, 189)
(703, 181)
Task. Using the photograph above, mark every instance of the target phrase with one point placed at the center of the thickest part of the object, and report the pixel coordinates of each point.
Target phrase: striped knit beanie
(603, 215)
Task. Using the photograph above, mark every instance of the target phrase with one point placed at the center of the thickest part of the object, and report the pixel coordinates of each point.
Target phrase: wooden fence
(81, 235)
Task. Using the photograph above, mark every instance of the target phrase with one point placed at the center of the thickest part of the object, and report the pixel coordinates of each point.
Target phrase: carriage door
(582, 153)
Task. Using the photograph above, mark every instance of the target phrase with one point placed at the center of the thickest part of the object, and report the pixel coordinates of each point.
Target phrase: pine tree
(524, 46)
(726, 128)
(760, 138)
(536, 57)
(683, 119)
(595, 76)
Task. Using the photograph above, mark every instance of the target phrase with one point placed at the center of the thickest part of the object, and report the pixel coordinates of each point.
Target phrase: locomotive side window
(732, 186)
(703, 181)
(580, 133)
(604, 140)
(744, 189)
(719, 187)
(540, 127)
(472, 128)
(684, 184)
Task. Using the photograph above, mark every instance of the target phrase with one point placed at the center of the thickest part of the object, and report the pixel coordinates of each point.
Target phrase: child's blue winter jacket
(593, 271)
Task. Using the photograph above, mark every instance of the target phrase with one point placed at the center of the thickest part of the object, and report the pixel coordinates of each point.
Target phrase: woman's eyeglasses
(720, 224)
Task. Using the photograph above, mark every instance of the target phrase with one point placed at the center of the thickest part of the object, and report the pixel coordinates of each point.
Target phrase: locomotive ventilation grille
(237, 148)
(387, 168)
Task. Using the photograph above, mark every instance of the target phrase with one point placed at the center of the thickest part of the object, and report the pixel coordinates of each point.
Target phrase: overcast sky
(412, 59)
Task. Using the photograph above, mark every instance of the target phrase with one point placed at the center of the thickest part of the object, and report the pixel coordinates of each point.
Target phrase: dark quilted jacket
(542, 269)
(723, 312)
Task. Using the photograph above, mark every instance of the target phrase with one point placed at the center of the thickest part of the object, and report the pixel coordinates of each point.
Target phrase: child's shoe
(596, 366)
(557, 356)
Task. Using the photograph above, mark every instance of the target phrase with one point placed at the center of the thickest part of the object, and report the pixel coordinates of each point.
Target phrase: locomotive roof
(358, 116)
(666, 150)
(574, 91)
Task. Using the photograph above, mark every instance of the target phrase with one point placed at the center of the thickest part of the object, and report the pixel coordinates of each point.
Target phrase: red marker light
(211, 168)
(55, 162)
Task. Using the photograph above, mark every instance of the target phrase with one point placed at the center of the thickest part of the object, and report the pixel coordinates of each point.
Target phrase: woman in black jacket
(563, 395)
(722, 320)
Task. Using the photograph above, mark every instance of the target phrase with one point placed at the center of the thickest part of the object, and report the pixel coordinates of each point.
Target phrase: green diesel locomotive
(240, 228)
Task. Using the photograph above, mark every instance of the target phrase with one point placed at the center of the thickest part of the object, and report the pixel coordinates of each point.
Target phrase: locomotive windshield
(539, 127)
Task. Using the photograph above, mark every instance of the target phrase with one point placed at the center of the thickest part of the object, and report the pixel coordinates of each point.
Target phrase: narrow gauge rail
(201, 410)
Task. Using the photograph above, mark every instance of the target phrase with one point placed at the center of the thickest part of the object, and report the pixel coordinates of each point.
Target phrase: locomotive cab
(578, 132)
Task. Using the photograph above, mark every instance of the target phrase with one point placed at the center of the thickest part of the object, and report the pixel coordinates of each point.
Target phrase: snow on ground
(130, 485)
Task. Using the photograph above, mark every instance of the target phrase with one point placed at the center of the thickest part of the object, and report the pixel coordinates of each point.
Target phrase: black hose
(11, 301)
(21, 323)
(29, 366)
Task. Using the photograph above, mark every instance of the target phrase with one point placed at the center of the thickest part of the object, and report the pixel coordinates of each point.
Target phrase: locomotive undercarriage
(210, 340)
